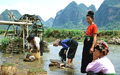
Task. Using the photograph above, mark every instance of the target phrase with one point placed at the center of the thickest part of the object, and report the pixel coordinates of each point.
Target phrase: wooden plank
(12, 22)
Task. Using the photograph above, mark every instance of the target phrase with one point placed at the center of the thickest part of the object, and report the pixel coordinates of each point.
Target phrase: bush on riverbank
(2, 31)
(53, 34)
(63, 34)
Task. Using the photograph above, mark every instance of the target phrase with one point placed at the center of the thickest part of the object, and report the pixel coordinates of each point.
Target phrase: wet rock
(7, 57)
(114, 40)
(16, 62)
(54, 64)
(10, 56)
(4, 61)
(46, 46)
(13, 47)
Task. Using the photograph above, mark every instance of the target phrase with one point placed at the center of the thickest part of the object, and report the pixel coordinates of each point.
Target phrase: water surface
(114, 56)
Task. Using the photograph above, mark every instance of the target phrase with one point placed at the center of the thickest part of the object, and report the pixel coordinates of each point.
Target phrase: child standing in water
(100, 64)
(89, 42)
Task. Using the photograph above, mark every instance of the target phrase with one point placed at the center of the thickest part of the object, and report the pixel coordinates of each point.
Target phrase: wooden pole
(23, 39)
(12, 20)
(7, 30)
(27, 30)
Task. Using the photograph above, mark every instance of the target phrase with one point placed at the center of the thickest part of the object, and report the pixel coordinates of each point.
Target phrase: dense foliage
(5, 41)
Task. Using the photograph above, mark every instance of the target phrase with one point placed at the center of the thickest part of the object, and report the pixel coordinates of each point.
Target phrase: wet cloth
(86, 57)
(32, 57)
(62, 55)
(29, 58)
(103, 65)
(72, 45)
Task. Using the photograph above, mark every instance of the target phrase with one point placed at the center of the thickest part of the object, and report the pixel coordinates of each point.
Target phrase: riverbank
(51, 35)
(111, 37)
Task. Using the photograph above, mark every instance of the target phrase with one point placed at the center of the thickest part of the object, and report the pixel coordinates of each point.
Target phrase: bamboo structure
(25, 21)
(27, 30)
(12, 20)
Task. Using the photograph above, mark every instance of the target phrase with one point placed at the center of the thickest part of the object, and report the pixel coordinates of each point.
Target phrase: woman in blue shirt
(68, 43)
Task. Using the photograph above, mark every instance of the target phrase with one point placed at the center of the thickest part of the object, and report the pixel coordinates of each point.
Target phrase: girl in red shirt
(89, 42)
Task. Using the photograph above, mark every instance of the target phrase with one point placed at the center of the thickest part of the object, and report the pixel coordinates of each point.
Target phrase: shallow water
(114, 56)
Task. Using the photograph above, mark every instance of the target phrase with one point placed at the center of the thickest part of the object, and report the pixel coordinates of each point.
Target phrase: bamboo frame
(12, 22)
(24, 26)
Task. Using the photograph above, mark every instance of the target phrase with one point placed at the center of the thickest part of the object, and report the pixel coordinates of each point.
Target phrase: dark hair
(97, 47)
(91, 14)
(30, 37)
(59, 43)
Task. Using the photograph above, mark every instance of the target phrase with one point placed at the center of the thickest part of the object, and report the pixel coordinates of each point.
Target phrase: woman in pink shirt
(100, 64)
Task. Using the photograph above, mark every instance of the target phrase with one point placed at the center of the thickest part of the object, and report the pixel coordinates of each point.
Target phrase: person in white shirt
(36, 43)
(100, 64)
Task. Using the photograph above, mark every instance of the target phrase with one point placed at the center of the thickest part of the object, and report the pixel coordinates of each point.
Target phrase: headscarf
(56, 43)
(102, 47)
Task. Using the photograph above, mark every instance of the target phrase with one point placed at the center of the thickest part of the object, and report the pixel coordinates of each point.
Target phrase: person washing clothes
(68, 43)
(36, 43)
(100, 64)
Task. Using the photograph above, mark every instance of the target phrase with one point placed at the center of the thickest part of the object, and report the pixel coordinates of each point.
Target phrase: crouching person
(100, 64)
(36, 43)
(68, 43)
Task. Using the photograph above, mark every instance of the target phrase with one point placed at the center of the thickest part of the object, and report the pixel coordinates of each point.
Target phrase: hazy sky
(43, 8)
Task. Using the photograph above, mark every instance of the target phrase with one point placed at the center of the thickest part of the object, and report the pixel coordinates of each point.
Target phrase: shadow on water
(114, 56)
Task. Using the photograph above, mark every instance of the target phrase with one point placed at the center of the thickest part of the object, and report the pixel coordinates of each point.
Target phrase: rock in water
(46, 46)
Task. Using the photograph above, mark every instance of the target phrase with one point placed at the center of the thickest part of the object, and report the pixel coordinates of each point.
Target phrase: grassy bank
(53, 34)
(3, 31)
(63, 34)
(78, 34)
